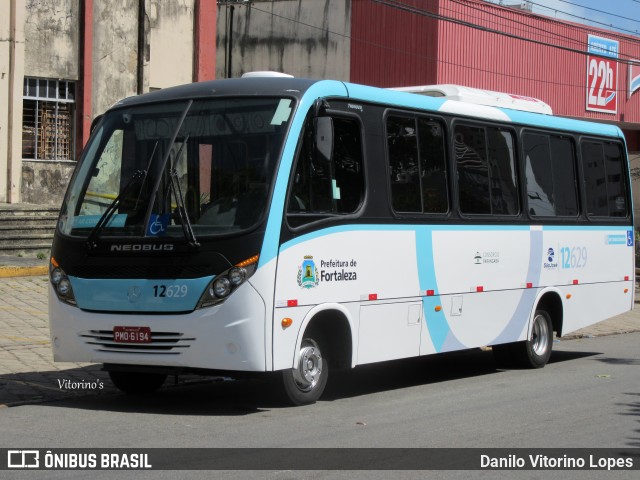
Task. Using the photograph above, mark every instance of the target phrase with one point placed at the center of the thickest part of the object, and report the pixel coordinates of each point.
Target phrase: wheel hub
(539, 336)
(309, 367)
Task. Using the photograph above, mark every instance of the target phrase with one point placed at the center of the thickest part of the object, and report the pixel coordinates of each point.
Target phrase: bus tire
(536, 350)
(137, 383)
(305, 383)
(533, 352)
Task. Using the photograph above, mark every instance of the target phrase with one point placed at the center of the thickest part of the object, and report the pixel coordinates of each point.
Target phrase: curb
(13, 271)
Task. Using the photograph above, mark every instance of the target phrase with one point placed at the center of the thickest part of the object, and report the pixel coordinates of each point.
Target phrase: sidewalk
(29, 375)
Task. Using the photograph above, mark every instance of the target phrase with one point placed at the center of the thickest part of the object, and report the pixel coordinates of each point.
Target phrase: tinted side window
(404, 168)
(616, 179)
(550, 172)
(564, 176)
(433, 167)
(604, 179)
(417, 165)
(502, 160)
(485, 160)
(473, 169)
(321, 187)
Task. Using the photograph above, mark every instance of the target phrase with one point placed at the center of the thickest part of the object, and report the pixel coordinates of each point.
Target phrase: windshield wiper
(174, 184)
(111, 209)
(187, 229)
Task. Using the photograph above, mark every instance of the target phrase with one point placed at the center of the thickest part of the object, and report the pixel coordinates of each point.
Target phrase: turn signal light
(286, 322)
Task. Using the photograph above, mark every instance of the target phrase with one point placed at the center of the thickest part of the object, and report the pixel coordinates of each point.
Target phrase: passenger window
(404, 166)
(551, 176)
(321, 188)
(502, 170)
(604, 179)
(485, 162)
(417, 165)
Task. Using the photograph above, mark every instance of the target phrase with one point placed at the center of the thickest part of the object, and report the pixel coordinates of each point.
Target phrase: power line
(550, 34)
(411, 9)
(556, 10)
(599, 11)
(583, 18)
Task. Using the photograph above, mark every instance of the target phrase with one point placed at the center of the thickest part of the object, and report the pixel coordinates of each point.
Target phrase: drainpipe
(141, 46)
(86, 76)
(229, 40)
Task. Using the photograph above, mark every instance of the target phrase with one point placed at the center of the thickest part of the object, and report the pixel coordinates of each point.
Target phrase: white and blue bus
(295, 226)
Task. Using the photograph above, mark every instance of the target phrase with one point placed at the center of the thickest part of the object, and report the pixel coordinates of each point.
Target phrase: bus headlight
(56, 275)
(221, 287)
(61, 283)
(237, 276)
(224, 284)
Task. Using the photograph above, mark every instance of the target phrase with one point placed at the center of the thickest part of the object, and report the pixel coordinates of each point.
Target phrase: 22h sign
(602, 75)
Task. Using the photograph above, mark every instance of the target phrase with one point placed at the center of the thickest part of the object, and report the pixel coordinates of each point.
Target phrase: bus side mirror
(324, 139)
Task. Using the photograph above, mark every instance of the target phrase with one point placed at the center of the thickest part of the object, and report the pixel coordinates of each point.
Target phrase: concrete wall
(115, 52)
(305, 38)
(52, 29)
(171, 42)
(44, 183)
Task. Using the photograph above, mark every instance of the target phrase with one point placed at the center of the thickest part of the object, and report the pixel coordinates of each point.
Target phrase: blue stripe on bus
(139, 295)
(519, 319)
(394, 98)
(560, 123)
(271, 242)
(436, 321)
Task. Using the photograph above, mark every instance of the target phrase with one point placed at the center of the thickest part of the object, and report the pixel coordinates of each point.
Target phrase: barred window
(47, 119)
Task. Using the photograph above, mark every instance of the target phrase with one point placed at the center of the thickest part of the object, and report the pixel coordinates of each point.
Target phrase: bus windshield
(192, 168)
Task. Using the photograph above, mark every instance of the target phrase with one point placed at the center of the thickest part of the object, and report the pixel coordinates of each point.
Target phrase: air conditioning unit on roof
(481, 97)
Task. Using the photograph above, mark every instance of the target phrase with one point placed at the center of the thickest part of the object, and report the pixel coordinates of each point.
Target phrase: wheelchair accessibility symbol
(158, 225)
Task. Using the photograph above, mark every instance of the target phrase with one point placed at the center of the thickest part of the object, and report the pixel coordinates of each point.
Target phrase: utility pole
(230, 4)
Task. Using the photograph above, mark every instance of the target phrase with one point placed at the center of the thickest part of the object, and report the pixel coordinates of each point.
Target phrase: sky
(618, 15)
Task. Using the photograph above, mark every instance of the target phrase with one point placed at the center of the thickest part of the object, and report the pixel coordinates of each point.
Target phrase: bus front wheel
(137, 383)
(305, 383)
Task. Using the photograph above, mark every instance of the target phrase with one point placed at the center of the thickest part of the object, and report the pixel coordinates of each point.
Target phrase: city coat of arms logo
(308, 273)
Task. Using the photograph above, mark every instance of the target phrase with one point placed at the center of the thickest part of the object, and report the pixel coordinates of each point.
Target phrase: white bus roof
(481, 97)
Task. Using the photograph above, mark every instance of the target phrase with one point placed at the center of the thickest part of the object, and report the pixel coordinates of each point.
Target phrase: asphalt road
(588, 396)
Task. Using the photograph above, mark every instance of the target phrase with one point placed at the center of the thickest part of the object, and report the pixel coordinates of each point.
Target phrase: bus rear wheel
(305, 383)
(536, 350)
(137, 383)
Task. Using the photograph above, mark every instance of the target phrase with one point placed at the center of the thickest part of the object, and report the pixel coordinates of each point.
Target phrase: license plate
(132, 334)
